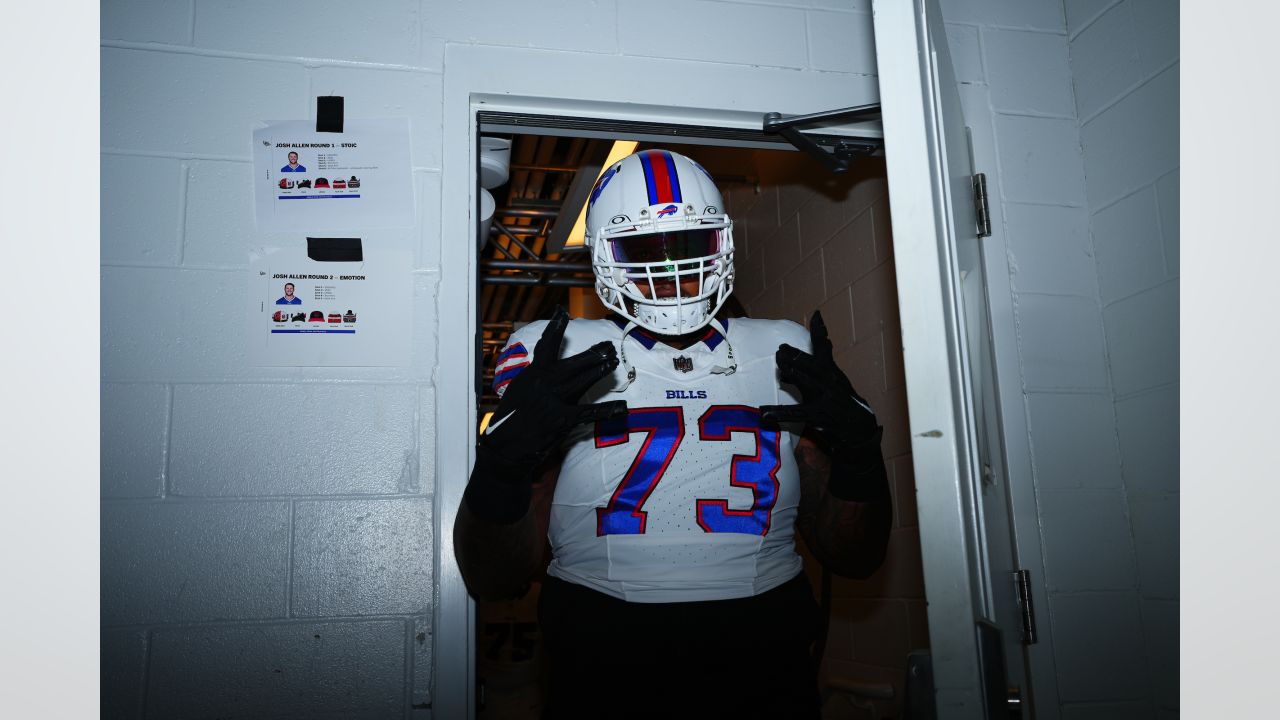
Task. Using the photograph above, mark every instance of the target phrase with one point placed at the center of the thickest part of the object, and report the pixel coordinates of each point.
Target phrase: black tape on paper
(329, 113)
(335, 249)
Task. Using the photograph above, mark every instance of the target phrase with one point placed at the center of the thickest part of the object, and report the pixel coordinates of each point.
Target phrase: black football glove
(538, 408)
(841, 420)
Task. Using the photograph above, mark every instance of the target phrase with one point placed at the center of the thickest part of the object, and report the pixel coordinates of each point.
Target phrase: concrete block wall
(267, 533)
(1078, 103)
(808, 240)
(1125, 71)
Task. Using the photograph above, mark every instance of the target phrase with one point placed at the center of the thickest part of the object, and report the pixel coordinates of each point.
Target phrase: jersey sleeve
(791, 333)
(797, 336)
(516, 355)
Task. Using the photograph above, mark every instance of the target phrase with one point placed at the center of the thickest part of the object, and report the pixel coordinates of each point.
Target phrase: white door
(967, 537)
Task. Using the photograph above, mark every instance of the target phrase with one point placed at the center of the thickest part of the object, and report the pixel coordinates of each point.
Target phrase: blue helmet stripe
(673, 176)
(647, 165)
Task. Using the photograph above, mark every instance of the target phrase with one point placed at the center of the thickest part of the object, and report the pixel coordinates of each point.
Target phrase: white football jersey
(687, 498)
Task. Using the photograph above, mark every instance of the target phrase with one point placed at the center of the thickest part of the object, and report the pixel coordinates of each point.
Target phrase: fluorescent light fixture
(621, 149)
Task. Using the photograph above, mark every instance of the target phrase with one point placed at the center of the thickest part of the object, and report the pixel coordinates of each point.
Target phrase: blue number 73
(663, 429)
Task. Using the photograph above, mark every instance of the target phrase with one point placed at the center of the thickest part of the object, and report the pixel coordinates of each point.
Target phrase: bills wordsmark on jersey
(509, 364)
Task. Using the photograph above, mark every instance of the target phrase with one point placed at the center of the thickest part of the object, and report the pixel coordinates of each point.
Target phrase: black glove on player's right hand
(541, 403)
(539, 406)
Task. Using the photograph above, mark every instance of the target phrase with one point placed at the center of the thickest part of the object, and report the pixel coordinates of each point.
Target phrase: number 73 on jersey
(663, 430)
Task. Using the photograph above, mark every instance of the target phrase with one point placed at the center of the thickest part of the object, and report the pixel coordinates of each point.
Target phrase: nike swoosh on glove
(538, 408)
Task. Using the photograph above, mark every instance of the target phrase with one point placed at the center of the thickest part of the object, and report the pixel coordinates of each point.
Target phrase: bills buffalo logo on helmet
(668, 210)
(604, 180)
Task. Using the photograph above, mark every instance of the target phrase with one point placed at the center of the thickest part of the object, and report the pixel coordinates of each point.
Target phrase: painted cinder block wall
(267, 533)
(1125, 72)
(1078, 101)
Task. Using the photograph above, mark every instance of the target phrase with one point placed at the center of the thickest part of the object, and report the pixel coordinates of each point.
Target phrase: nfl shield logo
(683, 364)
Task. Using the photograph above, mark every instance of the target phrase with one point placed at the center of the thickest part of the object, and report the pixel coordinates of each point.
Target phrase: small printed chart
(307, 180)
(308, 313)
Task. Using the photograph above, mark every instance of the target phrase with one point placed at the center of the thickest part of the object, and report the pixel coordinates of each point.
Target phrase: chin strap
(631, 369)
(622, 355)
(733, 363)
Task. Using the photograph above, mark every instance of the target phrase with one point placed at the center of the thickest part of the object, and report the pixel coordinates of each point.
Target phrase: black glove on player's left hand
(829, 403)
(842, 421)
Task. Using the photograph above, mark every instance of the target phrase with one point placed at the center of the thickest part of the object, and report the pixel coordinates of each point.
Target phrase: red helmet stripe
(660, 176)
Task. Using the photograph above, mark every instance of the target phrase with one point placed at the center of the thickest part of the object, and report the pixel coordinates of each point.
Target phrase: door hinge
(981, 206)
(1027, 613)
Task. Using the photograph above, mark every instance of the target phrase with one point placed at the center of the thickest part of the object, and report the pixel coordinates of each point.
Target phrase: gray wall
(1079, 103)
(1125, 69)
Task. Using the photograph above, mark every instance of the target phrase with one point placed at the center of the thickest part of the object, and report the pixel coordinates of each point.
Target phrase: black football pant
(742, 658)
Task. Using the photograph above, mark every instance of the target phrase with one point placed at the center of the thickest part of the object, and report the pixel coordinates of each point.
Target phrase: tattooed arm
(848, 537)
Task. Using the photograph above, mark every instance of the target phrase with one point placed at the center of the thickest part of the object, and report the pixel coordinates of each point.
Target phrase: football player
(676, 454)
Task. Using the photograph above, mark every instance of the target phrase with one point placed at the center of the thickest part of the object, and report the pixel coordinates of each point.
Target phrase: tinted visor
(667, 247)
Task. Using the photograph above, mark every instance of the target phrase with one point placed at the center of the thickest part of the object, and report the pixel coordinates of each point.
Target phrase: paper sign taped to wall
(360, 178)
(304, 312)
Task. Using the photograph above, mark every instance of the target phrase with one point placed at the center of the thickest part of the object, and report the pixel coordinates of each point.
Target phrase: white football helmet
(656, 224)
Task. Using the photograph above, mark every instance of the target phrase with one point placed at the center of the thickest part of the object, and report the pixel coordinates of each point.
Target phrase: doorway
(929, 191)
(805, 239)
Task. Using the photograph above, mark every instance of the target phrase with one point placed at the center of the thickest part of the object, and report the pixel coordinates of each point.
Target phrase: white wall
(1079, 103)
(267, 533)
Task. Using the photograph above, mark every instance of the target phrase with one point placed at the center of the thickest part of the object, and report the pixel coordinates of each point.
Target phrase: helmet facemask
(671, 282)
(661, 244)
